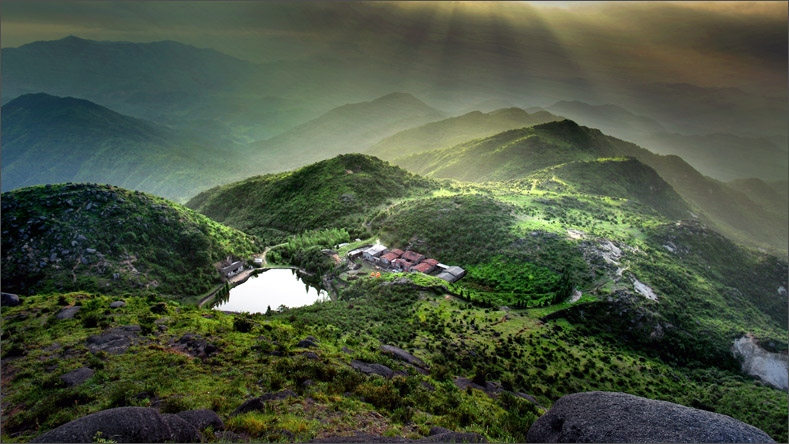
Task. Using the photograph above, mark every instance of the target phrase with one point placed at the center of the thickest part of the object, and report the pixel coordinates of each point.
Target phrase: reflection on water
(271, 288)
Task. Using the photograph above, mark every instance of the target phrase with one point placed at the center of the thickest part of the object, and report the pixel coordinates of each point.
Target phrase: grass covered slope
(334, 193)
(455, 130)
(233, 357)
(511, 154)
(48, 139)
(621, 178)
(516, 154)
(103, 238)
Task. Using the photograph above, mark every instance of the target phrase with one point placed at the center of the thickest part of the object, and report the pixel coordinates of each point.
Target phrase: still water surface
(271, 288)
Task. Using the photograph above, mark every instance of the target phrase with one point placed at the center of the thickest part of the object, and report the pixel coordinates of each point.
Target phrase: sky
(598, 44)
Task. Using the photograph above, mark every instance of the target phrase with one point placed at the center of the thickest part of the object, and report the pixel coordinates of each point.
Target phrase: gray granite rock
(77, 377)
(124, 424)
(619, 417)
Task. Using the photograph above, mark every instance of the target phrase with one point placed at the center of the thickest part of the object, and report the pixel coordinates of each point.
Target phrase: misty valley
(386, 223)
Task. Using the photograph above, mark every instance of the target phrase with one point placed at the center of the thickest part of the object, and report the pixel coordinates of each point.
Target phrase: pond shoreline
(246, 275)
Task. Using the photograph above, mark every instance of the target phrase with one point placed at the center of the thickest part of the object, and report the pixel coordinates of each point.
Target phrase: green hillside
(48, 139)
(553, 302)
(334, 193)
(511, 154)
(83, 237)
(623, 178)
(455, 130)
(517, 153)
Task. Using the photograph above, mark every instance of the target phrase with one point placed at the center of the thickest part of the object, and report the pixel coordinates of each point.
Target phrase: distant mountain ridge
(346, 129)
(724, 156)
(48, 139)
(455, 130)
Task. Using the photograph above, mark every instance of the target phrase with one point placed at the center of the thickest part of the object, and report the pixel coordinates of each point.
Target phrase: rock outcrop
(771, 368)
(114, 341)
(202, 419)
(437, 434)
(9, 300)
(124, 424)
(77, 377)
(259, 403)
(619, 417)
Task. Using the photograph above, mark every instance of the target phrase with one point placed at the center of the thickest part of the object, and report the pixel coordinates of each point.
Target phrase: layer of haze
(598, 45)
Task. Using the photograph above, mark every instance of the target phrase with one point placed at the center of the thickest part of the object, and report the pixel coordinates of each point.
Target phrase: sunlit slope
(83, 237)
(622, 178)
(517, 153)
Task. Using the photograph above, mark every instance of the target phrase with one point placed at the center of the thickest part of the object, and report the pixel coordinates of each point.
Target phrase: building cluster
(399, 261)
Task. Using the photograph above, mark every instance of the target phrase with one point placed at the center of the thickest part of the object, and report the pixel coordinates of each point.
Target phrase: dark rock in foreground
(259, 403)
(403, 355)
(114, 341)
(68, 312)
(202, 419)
(454, 437)
(619, 417)
(372, 369)
(77, 377)
(9, 300)
(306, 343)
(362, 437)
(442, 435)
(124, 424)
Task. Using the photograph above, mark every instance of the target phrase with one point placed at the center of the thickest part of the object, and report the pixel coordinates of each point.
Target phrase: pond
(271, 288)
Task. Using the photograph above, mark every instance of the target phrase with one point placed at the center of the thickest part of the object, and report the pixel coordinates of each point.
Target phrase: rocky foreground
(580, 417)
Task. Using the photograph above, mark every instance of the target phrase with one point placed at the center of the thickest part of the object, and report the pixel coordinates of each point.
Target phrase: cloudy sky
(727, 44)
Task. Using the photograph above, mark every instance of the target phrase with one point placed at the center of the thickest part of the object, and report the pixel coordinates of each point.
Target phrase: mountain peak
(401, 98)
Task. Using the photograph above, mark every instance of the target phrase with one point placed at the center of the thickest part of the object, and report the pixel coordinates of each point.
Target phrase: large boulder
(259, 403)
(403, 355)
(9, 300)
(124, 424)
(68, 312)
(202, 419)
(619, 417)
(372, 369)
(115, 340)
(77, 377)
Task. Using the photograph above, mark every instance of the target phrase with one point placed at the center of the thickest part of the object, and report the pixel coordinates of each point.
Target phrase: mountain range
(48, 139)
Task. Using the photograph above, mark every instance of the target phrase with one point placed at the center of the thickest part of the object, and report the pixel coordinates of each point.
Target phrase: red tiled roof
(424, 267)
(396, 251)
(403, 263)
(431, 261)
(390, 257)
(412, 256)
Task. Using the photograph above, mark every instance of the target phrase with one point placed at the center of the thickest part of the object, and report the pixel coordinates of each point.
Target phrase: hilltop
(338, 192)
(86, 237)
(48, 139)
(455, 130)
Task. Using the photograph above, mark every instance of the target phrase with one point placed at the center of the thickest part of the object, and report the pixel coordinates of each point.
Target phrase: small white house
(373, 252)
